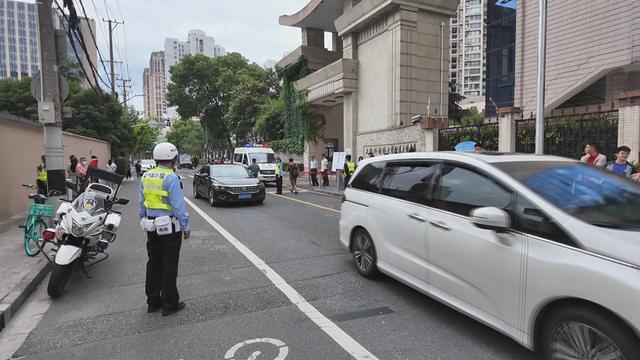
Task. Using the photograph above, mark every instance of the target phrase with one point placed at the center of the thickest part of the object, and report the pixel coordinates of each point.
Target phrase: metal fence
(567, 135)
(485, 134)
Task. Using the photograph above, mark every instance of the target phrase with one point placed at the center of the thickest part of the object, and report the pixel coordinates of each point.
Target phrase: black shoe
(153, 308)
(171, 311)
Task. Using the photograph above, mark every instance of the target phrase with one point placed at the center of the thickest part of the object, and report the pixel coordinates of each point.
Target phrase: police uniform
(349, 169)
(161, 198)
(278, 171)
(42, 180)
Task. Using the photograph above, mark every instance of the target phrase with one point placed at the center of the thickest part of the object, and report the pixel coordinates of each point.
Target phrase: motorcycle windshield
(87, 202)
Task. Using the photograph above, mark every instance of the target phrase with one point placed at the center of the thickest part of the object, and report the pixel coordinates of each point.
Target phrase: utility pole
(112, 26)
(542, 59)
(47, 90)
(124, 87)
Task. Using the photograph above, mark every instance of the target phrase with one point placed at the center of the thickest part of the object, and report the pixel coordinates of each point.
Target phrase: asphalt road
(229, 300)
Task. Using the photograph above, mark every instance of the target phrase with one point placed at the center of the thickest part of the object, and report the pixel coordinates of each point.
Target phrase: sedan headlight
(78, 230)
(218, 187)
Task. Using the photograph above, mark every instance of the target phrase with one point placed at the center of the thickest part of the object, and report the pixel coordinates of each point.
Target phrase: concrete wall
(584, 41)
(374, 83)
(21, 145)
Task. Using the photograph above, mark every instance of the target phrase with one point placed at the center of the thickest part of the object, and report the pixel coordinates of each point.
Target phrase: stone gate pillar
(629, 122)
(507, 128)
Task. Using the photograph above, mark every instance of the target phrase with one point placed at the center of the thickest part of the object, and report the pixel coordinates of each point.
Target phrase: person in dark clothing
(349, 169)
(254, 169)
(42, 181)
(294, 172)
(621, 165)
(279, 172)
(138, 169)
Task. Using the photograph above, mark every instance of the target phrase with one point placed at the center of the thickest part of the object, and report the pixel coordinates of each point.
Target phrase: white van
(265, 158)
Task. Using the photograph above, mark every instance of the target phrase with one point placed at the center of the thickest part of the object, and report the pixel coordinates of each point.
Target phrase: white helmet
(165, 151)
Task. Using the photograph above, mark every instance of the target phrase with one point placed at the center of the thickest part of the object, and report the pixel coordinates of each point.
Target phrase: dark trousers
(43, 189)
(279, 185)
(325, 178)
(314, 177)
(346, 181)
(162, 269)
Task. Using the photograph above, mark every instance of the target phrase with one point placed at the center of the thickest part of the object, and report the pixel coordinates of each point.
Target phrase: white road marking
(282, 354)
(349, 344)
(307, 203)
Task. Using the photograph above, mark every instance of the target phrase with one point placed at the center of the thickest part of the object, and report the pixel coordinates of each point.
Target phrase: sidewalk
(304, 182)
(20, 274)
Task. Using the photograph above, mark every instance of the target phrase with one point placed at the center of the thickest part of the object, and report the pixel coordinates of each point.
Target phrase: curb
(11, 303)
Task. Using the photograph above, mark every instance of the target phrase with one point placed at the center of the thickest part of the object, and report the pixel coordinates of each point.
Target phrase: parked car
(227, 184)
(544, 249)
(147, 164)
(186, 162)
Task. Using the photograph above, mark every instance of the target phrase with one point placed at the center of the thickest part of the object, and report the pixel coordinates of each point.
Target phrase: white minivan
(544, 249)
(265, 158)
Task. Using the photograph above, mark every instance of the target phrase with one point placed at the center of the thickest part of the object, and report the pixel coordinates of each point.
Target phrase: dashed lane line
(349, 344)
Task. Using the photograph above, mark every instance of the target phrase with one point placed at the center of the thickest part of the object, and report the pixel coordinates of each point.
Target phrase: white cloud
(249, 27)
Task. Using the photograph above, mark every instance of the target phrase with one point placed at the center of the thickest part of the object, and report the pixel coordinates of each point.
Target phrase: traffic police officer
(164, 216)
(349, 169)
(42, 177)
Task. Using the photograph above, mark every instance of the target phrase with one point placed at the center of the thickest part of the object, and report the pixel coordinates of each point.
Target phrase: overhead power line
(95, 39)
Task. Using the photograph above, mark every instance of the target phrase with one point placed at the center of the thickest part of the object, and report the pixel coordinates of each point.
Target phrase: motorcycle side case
(67, 254)
(112, 221)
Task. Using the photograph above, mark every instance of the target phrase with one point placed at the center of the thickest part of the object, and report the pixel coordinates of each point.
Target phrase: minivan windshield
(262, 158)
(591, 194)
(226, 171)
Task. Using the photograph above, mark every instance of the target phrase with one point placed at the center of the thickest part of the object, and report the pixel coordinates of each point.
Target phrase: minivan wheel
(364, 254)
(587, 333)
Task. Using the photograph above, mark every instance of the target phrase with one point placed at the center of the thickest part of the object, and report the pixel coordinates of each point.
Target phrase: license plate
(244, 196)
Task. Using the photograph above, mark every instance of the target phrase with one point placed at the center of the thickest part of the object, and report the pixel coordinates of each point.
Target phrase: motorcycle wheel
(58, 280)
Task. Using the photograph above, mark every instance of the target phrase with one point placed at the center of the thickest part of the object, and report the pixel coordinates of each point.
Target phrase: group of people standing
(620, 165)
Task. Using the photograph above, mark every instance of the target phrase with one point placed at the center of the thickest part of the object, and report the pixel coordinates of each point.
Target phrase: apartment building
(468, 42)
(19, 42)
(154, 86)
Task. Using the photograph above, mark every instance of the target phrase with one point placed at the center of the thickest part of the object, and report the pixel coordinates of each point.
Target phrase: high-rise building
(198, 42)
(468, 42)
(154, 85)
(501, 55)
(19, 43)
(89, 64)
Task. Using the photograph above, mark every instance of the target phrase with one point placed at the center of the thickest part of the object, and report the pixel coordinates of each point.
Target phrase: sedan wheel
(587, 333)
(195, 192)
(364, 254)
(212, 197)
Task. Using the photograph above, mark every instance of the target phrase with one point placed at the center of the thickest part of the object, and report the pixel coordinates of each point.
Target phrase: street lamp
(131, 98)
(542, 58)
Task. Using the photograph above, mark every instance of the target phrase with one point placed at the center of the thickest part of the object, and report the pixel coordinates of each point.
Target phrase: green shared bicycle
(38, 218)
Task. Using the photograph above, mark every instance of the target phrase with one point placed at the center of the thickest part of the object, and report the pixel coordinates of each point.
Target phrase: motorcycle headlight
(78, 230)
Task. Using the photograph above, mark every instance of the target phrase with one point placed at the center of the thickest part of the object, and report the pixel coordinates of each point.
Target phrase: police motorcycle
(86, 227)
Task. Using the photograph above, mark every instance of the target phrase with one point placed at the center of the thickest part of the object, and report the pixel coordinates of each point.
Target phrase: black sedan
(227, 184)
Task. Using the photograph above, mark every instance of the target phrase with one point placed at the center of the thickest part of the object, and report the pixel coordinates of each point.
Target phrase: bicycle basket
(41, 210)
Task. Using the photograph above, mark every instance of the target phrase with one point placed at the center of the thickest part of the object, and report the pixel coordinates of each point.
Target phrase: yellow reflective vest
(351, 167)
(153, 191)
(42, 172)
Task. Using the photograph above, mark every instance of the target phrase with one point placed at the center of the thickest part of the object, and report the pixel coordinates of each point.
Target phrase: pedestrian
(93, 163)
(279, 172)
(621, 165)
(73, 176)
(254, 169)
(359, 159)
(478, 149)
(324, 168)
(129, 172)
(313, 171)
(111, 167)
(164, 216)
(294, 172)
(349, 169)
(592, 155)
(81, 172)
(138, 167)
(42, 177)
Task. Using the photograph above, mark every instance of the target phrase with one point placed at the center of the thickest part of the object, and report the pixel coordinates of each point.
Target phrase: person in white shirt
(313, 171)
(324, 168)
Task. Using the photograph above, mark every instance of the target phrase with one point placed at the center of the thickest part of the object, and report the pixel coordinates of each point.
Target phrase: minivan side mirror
(490, 218)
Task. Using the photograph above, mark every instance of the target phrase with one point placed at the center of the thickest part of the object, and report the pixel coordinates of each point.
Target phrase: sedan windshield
(262, 158)
(226, 171)
(593, 195)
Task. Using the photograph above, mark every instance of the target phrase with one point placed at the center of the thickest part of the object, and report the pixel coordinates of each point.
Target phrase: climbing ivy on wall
(300, 124)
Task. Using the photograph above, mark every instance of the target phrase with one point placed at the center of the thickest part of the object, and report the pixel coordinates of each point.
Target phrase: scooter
(86, 228)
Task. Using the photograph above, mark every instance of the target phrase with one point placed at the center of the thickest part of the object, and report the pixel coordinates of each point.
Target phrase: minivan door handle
(440, 224)
(417, 217)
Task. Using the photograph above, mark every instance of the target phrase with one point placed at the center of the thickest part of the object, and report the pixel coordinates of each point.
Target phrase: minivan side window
(410, 181)
(368, 178)
(461, 190)
(237, 158)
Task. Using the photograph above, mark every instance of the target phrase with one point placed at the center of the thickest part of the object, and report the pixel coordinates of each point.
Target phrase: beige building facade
(154, 86)
(389, 61)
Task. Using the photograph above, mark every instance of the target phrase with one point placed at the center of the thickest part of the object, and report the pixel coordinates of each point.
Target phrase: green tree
(270, 122)
(456, 113)
(16, 98)
(226, 92)
(188, 136)
(472, 117)
(144, 136)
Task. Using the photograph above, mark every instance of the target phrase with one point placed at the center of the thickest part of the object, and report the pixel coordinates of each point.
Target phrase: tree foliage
(16, 98)
(472, 117)
(270, 122)
(225, 92)
(144, 136)
(456, 113)
(188, 136)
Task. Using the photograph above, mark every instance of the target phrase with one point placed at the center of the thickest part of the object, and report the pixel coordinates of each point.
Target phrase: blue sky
(249, 27)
